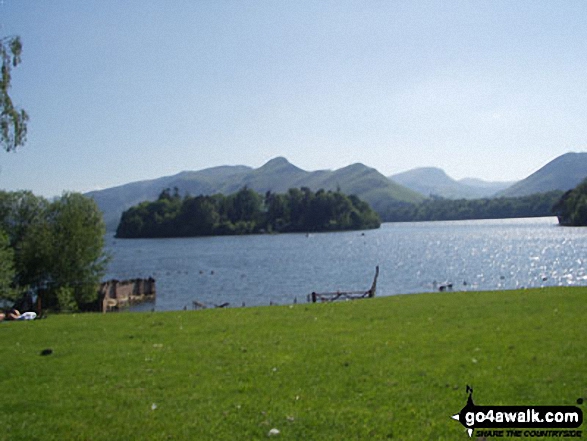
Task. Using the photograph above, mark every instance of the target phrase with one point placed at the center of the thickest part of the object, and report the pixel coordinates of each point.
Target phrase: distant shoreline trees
(246, 212)
(441, 209)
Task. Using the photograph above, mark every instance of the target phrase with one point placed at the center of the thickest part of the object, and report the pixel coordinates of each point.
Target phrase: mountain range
(278, 175)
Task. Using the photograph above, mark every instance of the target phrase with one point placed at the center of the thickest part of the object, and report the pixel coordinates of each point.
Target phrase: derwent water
(413, 257)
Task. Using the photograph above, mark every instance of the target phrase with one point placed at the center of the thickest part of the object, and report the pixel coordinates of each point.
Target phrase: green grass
(383, 368)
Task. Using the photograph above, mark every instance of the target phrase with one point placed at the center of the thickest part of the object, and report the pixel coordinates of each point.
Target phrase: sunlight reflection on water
(413, 257)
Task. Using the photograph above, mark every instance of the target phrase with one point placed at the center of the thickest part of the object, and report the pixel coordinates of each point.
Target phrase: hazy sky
(119, 91)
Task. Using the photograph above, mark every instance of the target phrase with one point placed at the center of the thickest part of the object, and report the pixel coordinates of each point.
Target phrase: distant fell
(277, 175)
(562, 173)
(494, 186)
(433, 181)
(368, 184)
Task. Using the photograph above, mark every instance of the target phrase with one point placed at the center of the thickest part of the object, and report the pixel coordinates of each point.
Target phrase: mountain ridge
(277, 175)
(383, 193)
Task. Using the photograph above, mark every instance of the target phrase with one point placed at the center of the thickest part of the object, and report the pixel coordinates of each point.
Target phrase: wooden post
(374, 285)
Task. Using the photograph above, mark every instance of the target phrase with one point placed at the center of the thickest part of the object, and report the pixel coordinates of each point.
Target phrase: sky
(125, 91)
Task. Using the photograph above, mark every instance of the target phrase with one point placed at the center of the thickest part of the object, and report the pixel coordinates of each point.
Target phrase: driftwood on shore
(116, 294)
(314, 297)
(200, 305)
(346, 295)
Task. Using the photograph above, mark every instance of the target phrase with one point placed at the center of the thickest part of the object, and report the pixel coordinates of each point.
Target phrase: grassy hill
(277, 175)
(562, 173)
(383, 368)
(370, 185)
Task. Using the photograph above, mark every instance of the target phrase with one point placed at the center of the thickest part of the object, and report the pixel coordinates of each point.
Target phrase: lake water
(413, 257)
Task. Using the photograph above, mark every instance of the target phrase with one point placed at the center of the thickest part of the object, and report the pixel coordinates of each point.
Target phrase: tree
(246, 205)
(77, 234)
(56, 248)
(13, 121)
(277, 215)
(21, 216)
(6, 268)
(198, 217)
(295, 207)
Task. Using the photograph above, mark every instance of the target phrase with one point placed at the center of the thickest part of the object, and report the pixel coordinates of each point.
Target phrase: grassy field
(383, 368)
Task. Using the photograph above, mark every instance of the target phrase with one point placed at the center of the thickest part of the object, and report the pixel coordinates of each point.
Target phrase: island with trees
(246, 212)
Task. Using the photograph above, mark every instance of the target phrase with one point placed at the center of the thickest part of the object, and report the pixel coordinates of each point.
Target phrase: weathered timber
(346, 295)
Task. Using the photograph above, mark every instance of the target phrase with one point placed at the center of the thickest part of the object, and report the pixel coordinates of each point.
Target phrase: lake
(413, 258)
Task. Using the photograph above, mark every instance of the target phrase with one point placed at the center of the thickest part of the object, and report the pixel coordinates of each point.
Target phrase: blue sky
(125, 91)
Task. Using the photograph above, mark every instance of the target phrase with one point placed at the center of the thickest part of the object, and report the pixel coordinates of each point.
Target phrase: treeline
(437, 208)
(246, 212)
(50, 249)
(571, 209)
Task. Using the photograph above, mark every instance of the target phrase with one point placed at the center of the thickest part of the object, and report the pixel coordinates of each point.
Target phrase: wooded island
(246, 212)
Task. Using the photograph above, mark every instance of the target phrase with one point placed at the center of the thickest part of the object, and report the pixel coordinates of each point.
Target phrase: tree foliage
(437, 208)
(246, 212)
(13, 121)
(571, 208)
(6, 268)
(56, 247)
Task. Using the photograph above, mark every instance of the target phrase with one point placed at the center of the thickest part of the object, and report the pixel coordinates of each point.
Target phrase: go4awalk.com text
(520, 421)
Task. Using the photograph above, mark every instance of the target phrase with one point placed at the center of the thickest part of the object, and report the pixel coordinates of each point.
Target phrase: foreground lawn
(383, 368)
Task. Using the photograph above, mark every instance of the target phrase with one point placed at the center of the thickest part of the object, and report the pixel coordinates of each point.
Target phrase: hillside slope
(563, 173)
(278, 175)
